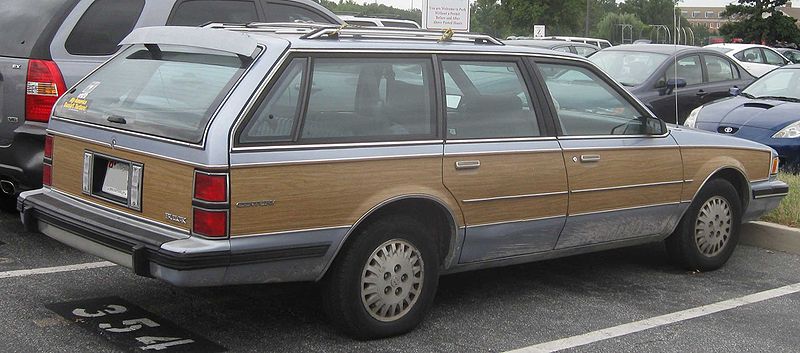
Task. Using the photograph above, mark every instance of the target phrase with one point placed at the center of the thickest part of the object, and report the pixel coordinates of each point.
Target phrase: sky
(405, 4)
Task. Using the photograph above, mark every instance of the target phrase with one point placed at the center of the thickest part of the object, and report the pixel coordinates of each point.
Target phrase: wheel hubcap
(392, 280)
(713, 228)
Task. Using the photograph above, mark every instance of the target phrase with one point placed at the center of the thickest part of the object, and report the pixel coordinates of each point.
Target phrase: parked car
(365, 21)
(578, 48)
(649, 72)
(600, 43)
(756, 59)
(47, 46)
(767, 111)
(373, 161)
(792, 55)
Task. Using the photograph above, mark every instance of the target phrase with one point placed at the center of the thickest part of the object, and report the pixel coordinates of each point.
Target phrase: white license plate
(116, 180)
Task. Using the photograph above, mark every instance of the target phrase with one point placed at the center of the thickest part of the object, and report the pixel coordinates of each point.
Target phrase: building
(710, 17)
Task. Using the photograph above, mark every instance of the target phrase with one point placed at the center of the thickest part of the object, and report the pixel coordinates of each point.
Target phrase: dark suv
(48, 45)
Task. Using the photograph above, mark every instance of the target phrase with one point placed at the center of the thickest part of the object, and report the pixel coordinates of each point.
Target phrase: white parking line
(646, 324)
(43, 270)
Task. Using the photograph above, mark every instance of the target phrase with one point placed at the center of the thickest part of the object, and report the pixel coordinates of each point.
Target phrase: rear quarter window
(165, 91)
(104, 24)
(23, 22)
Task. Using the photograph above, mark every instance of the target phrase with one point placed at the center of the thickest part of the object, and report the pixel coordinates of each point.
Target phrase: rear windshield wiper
(116, 119)
(781, 98)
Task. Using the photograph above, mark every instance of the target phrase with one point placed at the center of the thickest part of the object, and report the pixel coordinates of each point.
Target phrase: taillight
(45, 84)
(47, 174)
(48, 147)
(210, 223)
(47, 166)
(211, 187)
(210, 204)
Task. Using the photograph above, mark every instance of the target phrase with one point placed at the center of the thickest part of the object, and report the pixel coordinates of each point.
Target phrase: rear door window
(719, 69)
(277, 116)
(166, 91)
(752, 55)
(369, 99)
(104, 24)
(23, 23)
(197, 12)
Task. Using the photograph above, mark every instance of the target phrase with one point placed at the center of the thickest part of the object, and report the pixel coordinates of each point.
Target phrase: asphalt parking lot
(491, 310)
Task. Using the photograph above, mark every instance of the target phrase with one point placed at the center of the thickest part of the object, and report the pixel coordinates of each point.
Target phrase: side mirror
(653, 126)
(734, 91)
(676, 83)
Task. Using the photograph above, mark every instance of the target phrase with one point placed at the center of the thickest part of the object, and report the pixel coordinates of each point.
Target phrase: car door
(689, 68)
(721, 75)
(500, 163)
(624, 169)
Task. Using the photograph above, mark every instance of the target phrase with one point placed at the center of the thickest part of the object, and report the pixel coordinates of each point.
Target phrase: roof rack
(327, 31)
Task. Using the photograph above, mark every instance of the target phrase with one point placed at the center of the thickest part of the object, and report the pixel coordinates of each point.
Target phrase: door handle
(461, 165)
(590, 158)
(701, 93)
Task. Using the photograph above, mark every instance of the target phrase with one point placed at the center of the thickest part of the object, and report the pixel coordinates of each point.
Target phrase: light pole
(587, 19)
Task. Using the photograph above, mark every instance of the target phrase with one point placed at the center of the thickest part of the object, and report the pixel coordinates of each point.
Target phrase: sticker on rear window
(88, 89)
(77, 104)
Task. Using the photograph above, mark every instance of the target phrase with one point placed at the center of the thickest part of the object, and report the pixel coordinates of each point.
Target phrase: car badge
(113, 143)
(728, 130)
(16, 66)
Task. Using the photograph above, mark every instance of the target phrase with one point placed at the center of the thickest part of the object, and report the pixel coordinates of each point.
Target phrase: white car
(378, 22)
(756, 59)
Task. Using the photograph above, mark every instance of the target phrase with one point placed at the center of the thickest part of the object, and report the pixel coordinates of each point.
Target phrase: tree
(609, 27)
(354, 8)
(652, 12)
(759, 21)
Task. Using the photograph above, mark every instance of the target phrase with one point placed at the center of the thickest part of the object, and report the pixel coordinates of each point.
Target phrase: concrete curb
(771, 236)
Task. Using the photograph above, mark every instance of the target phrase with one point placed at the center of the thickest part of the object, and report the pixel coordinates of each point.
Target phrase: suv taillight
(47, 166)
(45, 84)
(210, 204)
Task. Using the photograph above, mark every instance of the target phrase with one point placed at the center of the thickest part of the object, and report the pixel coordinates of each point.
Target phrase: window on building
(696, 14)
(710, 14)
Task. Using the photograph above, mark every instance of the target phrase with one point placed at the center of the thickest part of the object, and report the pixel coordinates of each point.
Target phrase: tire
(695, 246)
(356, 306)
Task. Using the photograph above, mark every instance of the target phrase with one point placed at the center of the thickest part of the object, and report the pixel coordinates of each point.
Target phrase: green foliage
(351, 7)
(652, 12)
(609, 27)
(788, 213)
(751, 25)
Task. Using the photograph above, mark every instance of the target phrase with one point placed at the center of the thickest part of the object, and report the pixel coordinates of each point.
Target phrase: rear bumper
(765, 196)
(21, 161)
(171, 255)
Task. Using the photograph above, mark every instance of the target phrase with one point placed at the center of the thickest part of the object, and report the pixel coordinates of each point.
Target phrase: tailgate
(165, 193)
(13, 73)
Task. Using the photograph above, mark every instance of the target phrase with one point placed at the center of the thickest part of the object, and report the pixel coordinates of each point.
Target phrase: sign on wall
(443, 14)
(538, 31)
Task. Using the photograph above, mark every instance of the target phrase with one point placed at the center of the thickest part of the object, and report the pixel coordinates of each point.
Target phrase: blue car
(766, 111)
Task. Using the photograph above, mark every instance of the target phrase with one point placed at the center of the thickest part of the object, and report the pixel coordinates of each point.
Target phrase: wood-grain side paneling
(627, 172)
(700, 162)
(508, 175)
(328, 194)
(167, 186)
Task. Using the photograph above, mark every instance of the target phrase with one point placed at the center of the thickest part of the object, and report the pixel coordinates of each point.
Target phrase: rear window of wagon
(161, 90)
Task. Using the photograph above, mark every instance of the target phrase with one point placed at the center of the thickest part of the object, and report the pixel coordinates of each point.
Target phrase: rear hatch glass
(24, 21)
(162, 90)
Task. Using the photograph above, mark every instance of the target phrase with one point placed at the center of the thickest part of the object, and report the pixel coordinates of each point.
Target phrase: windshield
(166, 91)
(630, 68)
(777, 84)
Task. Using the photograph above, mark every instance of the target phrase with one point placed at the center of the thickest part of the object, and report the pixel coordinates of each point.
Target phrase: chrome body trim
(313, 161)
(593, 137)
(768, 196)
(289, 232)
(731, 148)
(624, 209)
(510, 197)
(628, 186)
(515, 221)
(334, 145)
(543, 150)
(514, 139)
(607, 148)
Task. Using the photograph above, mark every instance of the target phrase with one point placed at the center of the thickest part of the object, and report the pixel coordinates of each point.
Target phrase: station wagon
(373, 161)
